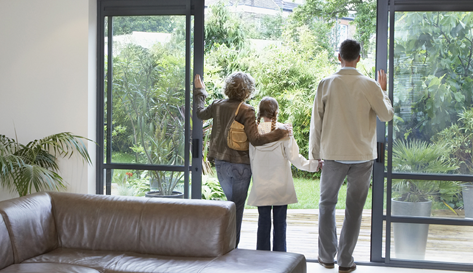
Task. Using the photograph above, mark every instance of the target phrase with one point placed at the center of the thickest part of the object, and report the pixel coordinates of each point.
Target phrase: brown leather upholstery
(30, 223)
(6, 251)
(246, 260)
(196, 228)
(64, 232)
(49, 267)
(97, 222)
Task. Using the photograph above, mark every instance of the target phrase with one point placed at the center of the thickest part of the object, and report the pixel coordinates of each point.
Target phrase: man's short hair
(350, 50)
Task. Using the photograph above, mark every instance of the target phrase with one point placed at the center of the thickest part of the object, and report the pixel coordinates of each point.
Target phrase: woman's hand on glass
(198, 83)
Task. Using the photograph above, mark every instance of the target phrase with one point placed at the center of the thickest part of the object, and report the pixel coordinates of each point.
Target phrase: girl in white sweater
(273, 187)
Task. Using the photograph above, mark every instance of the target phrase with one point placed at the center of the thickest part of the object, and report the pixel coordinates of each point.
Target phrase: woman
(233, 167)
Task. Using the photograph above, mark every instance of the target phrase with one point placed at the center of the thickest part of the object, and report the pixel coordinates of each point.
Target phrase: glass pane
(439, 243)
(148, 118)
(147, 183)
(429, 198)
(433, 124)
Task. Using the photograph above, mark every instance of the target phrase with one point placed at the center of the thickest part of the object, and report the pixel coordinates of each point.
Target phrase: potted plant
(458, 139)
(24, 168)
(414, 197)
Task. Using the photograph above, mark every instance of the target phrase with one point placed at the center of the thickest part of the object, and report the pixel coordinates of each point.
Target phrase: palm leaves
(34, 165)
(418, 156)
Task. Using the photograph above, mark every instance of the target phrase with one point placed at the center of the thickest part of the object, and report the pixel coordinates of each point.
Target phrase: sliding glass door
(424, 173)
(148, 51)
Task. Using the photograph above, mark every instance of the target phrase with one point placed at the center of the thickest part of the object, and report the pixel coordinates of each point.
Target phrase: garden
(432, 90)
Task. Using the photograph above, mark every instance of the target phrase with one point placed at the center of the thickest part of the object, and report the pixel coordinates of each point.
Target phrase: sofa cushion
(108, 261)
(97, 222)
(6, 251)
(96, 259)
(186, 227)
(253, 261)
(30, 223)
(134, 262)
(41, 268)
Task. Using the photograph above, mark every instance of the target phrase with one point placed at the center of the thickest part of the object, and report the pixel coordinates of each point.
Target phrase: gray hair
(239, 86)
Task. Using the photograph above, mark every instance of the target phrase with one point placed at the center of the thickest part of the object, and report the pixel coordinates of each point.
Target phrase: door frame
(382, 173)
(188, 8)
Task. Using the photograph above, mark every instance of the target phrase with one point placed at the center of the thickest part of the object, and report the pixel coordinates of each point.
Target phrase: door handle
(380, 151)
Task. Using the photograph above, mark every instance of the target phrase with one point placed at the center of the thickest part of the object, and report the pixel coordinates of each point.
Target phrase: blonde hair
(268, 108)
(239, 86)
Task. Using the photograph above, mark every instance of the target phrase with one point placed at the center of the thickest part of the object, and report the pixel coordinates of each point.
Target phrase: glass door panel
(428, 145)
(148, 91)
(432, 84)
(144, 97)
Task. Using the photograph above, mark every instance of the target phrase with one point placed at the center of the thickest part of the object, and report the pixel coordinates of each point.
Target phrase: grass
(308, 192)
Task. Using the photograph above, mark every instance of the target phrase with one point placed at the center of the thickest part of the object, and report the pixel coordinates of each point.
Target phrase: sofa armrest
(6, 250)
(30, 224)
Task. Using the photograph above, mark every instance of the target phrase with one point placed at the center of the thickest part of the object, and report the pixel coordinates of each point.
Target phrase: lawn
(308, 191)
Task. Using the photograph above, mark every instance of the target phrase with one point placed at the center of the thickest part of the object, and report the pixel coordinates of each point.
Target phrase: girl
(273, 187)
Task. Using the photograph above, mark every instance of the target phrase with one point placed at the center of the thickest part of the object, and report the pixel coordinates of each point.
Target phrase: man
(343, 134)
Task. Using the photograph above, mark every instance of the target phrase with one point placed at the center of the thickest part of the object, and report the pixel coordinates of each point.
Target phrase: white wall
(47, 76)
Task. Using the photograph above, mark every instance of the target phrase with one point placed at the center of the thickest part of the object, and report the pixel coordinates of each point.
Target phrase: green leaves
(34, 166)
(418, 156)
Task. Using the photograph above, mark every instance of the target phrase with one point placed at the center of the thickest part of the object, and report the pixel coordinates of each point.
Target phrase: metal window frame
(386, 11)
(110, 8)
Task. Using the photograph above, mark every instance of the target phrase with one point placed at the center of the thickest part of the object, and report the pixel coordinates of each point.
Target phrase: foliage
(211, 189)
(131, 184)
(458, 139)
(290, 73)
(314, 12)
(416, 156)
(128, 24)
(433, 69)
(365, 25)
(223, 28)
(266, 27)
(24, 168)
(149, 99)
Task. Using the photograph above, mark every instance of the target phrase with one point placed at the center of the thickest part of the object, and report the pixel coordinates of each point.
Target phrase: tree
(330, 10)
(433, 67)
(128, 24)
(223, 28)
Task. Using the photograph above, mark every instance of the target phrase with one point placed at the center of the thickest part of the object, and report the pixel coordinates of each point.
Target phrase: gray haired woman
(233, 167)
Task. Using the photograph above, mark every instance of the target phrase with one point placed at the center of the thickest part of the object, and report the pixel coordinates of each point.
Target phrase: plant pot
(467, 191)
(410, 240)
(157, 194)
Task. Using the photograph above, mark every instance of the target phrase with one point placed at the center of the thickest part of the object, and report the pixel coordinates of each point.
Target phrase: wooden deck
(445, 243)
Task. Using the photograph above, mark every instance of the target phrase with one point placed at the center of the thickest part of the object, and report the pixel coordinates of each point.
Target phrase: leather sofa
(80, 233)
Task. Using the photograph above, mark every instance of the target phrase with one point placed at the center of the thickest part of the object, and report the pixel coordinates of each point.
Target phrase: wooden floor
(445, 243)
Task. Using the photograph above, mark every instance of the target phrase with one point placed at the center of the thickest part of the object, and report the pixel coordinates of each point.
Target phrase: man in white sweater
(343, 134)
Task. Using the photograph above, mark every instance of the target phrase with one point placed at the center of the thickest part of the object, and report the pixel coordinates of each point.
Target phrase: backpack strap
(236, 112)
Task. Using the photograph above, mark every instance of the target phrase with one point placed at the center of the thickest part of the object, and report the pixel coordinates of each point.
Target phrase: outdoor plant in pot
(458, 139)
(414, 197)
(24, 168)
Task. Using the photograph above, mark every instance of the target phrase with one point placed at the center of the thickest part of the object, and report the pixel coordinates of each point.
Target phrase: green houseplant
(414, 197)
(24, 168)
(458, 139)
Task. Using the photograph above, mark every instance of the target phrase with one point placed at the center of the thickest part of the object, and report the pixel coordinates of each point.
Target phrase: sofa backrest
(156, 226)
(97, 222)
(6, 250)
(184, 227)
(30, 224)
